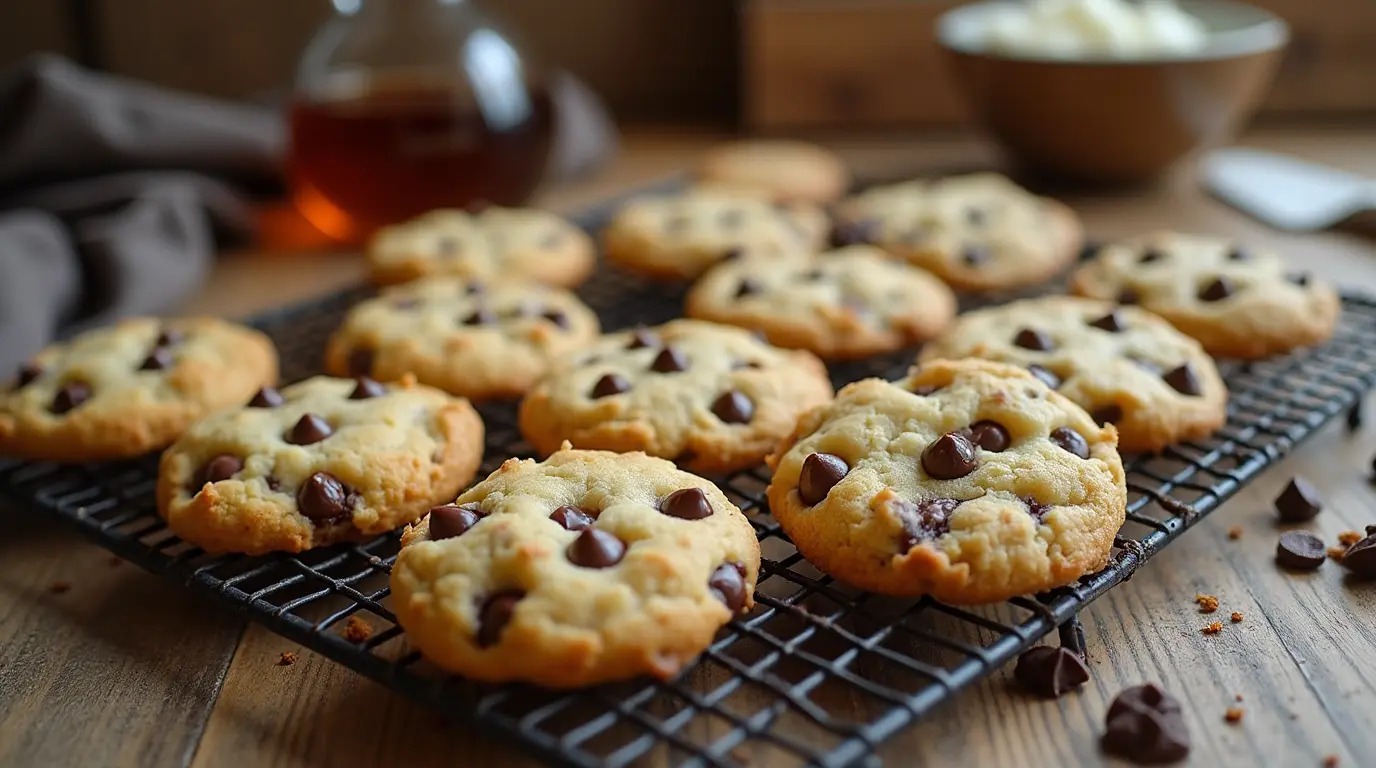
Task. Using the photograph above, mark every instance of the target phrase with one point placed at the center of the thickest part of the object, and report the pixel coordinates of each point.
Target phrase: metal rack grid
(817, 673)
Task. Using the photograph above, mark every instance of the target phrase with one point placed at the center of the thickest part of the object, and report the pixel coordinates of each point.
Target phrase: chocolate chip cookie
(320, 461)
(786, 171)
(1122, 364)
(469, 337)
(1238, 302)
(678, 237)
(512, 243)
(969, 481)
(979, 232)
(584, 568)
(850, 303)
(712, 397)
(130, 388)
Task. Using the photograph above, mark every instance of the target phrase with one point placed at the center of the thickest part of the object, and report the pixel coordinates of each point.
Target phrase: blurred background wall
(770, 64)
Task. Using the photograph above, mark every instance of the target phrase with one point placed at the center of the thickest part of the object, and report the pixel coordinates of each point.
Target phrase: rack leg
(1073, 636)
(1354, 417)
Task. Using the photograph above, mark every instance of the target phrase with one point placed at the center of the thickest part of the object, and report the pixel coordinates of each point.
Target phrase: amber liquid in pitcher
(369, 155)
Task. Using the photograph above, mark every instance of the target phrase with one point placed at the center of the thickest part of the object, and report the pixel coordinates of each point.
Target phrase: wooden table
(121, 668)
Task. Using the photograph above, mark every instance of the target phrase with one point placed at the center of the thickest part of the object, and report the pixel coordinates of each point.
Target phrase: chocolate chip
(1237, 253)
(596, 549)
(1129, 297)
(1183, 380)
(1107, 414)
(861, 232)
(475, 288)
(481, 316)
(1221, 288)
(687, 504)
(1112, 322)
(642, 338)
(753, 365)
(168, 337)
(361, 362)
(732, 254)
(1036, 509)
(976, 256)
(1028, 338)
(1299, 502)
(1301, 279)
(365, 388)
(950, 456)
(160, 358)
(1070, 440)
(557, 317)
(308, 429)
(669, 360)
(452, 520)
(27, 374)
(221, 467)
(322, 497)
(71, 395)
(1300, 551)
(495, 614)
(1050, 671)
(989, 435)
(610, 384)
(267, 397)
(923, 521)
(812, 275)
(1144, 725)
(571, 518)
(1046, 377)
(1360, 558)
(748, 286)
(820, 472)
(975, 216)
(1088, 251)
(727, 582)
(1150, 255)
(926, 389)
(733, 407)
(274, 484)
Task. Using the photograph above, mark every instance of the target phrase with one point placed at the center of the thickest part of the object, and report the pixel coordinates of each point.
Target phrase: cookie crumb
(1337, 552)
(1237, 619)
(356, 630)
(1235, 532)
(1213, 628)
(1207, 603)
(1233, 714)
(59, 587)
(287, 659)
(1330, 761)
(1348, 538)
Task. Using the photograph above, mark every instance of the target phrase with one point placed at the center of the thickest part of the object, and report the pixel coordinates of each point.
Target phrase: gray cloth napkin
(113, 192)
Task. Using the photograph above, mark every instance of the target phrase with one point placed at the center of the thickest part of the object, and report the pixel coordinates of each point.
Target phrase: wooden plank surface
(117, 681)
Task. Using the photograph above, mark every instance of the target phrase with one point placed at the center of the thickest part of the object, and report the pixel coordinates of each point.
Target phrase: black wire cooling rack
(816, 674)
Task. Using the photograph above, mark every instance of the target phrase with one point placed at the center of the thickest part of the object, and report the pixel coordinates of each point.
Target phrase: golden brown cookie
(1236, 301)
(584, 568)
(507, 243)
(712, 397)
(472, 338)
(969, 481)
(1122, 364)
(782, 170)
(845, 304)
(979, 232)
(130, 388)
(321, 461)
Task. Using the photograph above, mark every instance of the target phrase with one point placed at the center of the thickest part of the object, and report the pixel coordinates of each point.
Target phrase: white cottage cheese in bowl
(1079, 29)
